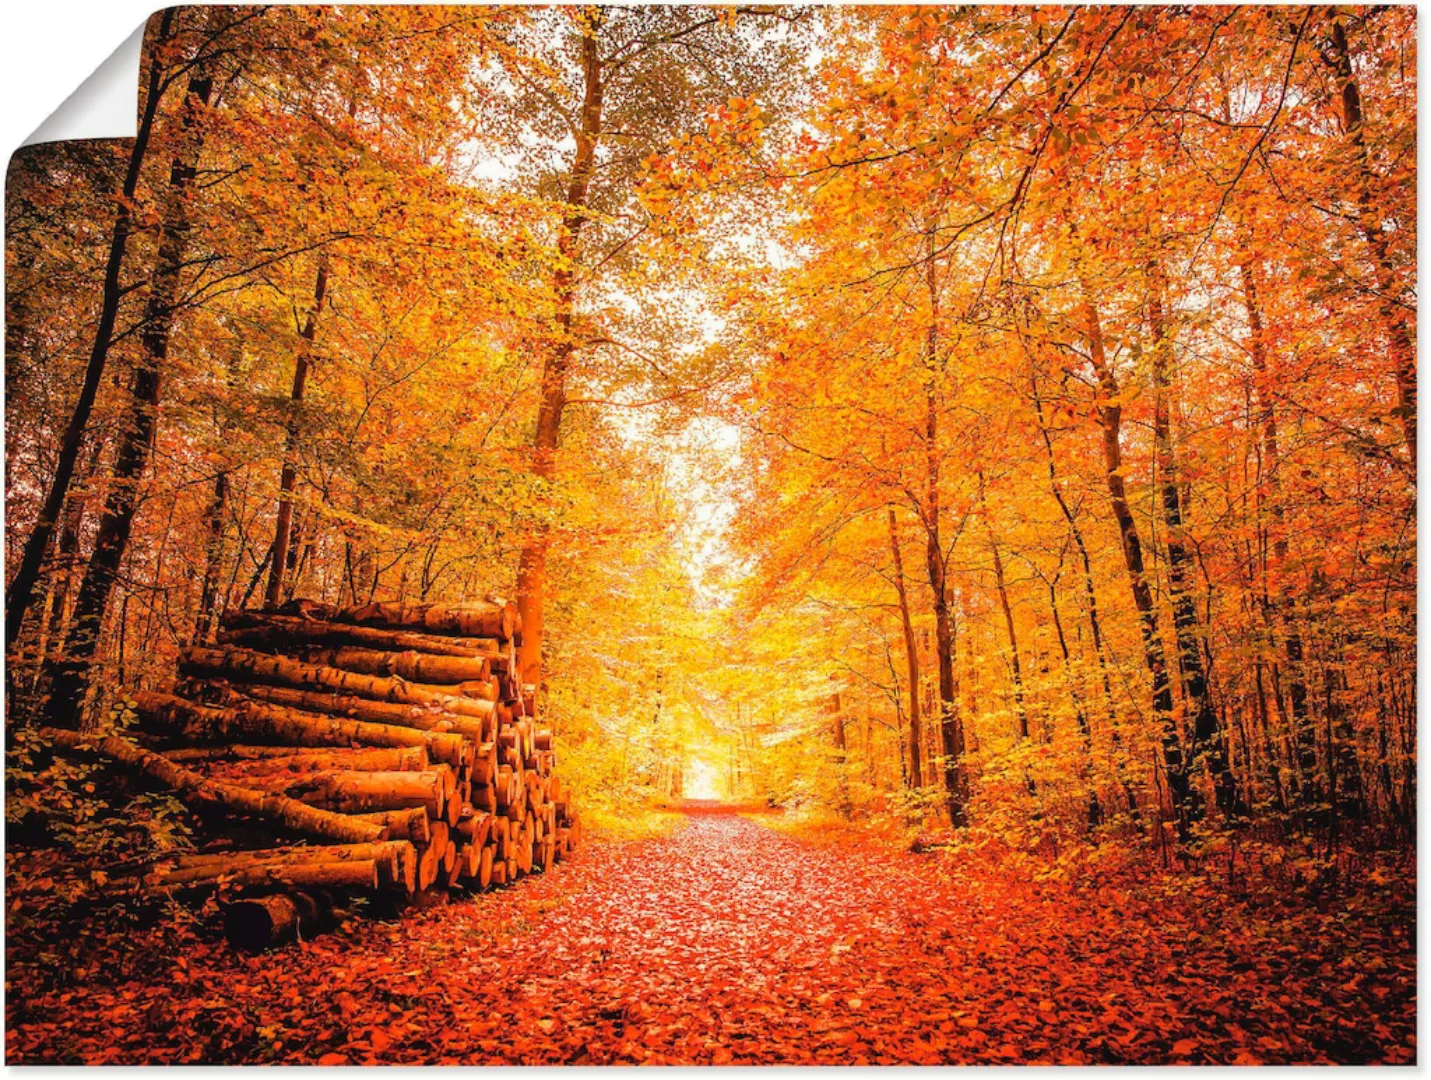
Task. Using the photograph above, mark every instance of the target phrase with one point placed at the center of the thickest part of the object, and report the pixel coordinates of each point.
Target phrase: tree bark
(213, 560)
(951, 727)
(256, 923)
(1110, 416)
(1399, 320)
(244, 665)
(169, 715)
(197, 789)
(268, 631)
(417, 717)
(288, 476)
(469, 676)
(532, 582)
(361, 792)
(70, 673)
(1304, 733)
(1208, 738)
(308, 759)
(411, 823)
(911, 653)
(21, 593)
(491, 619)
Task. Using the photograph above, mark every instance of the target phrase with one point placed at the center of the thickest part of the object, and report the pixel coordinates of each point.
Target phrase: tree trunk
(493, 619)
(70, 681)
(1110, 416)
(532, 584)
(276, 632)
(311, 759)
(1015, 665)
(411, 823)
(197, 789)
(1090, 595)
(393, 865)
(951, 727)
(911, 653)
(243, 665)
(288, 476)
(1208, 738)
(22, 587)
(473, 675)
(416, 717)
(361, 792)
(1399, 319)
(169, 715)
(1303, 725)
(213, 561)
(256, 923)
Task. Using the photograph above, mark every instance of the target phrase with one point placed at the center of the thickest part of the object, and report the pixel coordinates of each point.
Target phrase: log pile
(398, 738)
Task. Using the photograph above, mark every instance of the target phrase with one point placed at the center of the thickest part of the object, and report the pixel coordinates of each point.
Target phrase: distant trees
(1085, 185)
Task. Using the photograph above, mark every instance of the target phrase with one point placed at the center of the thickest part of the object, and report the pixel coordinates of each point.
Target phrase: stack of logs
(397, 736)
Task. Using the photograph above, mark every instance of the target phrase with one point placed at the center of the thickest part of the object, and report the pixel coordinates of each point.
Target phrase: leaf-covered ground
(729, 942)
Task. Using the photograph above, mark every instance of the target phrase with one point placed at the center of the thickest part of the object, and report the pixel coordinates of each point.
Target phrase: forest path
(730, 942)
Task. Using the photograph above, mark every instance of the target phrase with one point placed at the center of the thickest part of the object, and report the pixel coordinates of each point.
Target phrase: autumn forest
(704, 535)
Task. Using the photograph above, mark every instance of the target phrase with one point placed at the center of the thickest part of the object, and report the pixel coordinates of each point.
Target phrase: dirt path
(730, 942)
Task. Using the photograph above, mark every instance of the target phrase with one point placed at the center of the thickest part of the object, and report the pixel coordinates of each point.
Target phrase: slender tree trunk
(66, 566)
(1303, 725)
(21, 593)
(1208, 738)
(283, 525)
(911, 653)
(70, 683)
(837, 730)
(1110, 416)
(1015, 665)
(1085, 730)
(213, 561)
(532, 582)
(210, 607)
(1399, 320)
(1090, 595)
(951, 727)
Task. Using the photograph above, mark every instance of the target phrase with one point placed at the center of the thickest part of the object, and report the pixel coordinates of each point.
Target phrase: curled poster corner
(102, 107)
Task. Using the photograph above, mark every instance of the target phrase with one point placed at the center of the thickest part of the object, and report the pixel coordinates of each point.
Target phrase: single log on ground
(256, 923)
(491, 619)
(484, 873)
(245, 665)
(278, 633)
(408, 824)
(420, 717)
(342, 874)
(396, 861)
(195, 788)
(308, 759)
(413, 666)
(248, 719)
(363, 792)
